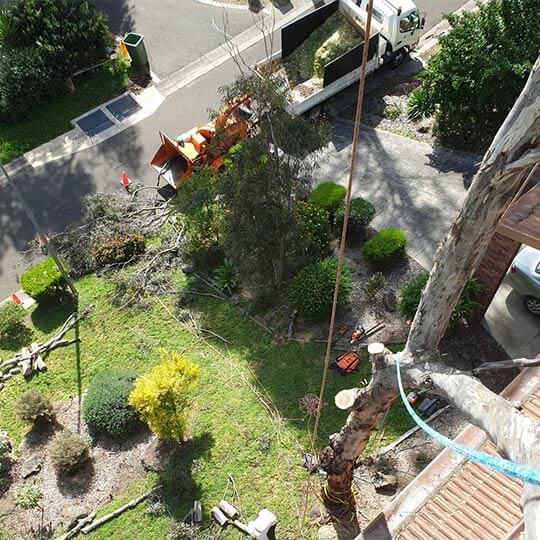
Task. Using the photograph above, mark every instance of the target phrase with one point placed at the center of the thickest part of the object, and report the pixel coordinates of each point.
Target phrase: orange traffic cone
(125, 180)
(16, 299)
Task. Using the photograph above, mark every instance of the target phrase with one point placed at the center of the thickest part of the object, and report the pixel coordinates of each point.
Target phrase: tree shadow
(41, 433)
(20, 337)
(119, 15)
(179, 486)
(79, 482)
(51, 315)
(447, 160)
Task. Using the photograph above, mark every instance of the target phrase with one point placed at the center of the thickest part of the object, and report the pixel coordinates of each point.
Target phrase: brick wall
(493, 267)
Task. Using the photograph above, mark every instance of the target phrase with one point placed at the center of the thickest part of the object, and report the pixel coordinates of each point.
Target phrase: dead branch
(507, 364)
(131, 504)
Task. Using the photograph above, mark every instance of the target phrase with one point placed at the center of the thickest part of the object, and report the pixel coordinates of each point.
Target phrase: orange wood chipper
(205, 145)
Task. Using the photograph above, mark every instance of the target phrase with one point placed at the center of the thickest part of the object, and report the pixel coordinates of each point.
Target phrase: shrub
(106, 409)
(480, 68)
(25, 81)
(314, 226)
(162, 396)
(360, 215)
(68, 452)
(417, 105)
(43, 281)
(392, 111)
(33, 406)
(464, 309)
(28, 496)
(11, 317)
(385, 248)
(119, 248)
(226, 277)
(312, 290)
(327, 195)
(373, 285)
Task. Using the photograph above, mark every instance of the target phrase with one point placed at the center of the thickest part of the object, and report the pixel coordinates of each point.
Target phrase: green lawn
(53, 118)
(230, 427)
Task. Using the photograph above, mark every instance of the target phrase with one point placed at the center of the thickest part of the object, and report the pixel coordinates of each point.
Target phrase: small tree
(270, 172)
(162, 396)
(480, 69)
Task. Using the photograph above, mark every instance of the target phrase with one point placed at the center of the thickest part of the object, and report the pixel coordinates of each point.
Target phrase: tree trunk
(515, 146)
(488, 197)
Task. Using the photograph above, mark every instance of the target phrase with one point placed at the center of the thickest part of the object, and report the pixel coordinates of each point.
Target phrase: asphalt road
(56, 190)
(176, 31)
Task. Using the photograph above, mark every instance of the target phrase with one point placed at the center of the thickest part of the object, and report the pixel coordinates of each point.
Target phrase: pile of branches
(153, 273)
(106, 215)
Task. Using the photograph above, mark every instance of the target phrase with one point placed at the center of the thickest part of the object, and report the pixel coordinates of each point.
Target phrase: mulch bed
(113, 467)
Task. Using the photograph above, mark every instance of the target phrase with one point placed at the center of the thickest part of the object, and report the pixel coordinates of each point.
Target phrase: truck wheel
(398, 58)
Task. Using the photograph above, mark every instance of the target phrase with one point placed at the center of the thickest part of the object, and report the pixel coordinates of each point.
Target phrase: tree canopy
(479, 70)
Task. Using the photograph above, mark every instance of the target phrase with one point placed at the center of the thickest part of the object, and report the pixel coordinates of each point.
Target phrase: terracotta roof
(453, 499)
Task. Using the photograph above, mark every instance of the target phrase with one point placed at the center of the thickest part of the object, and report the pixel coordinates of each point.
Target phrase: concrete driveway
(507, 320)
(176, 31)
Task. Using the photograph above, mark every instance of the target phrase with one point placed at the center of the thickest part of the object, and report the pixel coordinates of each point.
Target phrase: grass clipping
(329, 41)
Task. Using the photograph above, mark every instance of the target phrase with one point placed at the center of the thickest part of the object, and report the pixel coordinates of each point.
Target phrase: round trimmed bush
(314, 226)
(312, 290)
(360, 215)
(385, 248)
(106, 409)
(33, 406)
(68, 452)
(411, 294)
(43, 281)
(327, 195)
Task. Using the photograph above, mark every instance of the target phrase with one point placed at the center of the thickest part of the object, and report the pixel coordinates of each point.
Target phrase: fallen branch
(78, 526)
(131, 504)
(507, 364)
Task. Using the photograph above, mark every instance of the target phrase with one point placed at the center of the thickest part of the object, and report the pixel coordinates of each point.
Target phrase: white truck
(395, 30)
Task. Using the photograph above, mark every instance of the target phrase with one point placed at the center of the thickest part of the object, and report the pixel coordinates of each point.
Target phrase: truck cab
(400, 24)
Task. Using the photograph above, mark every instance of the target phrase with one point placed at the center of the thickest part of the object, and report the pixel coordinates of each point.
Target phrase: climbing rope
(504, 466)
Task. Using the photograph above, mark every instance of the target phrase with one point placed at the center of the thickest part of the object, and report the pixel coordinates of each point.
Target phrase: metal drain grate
(123, 107)
(94, 123)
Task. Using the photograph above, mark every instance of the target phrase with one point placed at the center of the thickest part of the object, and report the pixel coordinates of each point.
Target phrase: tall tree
(271, 171)
(517, 437)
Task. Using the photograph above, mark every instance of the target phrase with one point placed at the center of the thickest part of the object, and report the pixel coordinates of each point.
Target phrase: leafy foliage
(269, 173)
(33, 406)
(385, 248)
(360, 216)
(327, 195)
(312, 290)
(41, 43)
(106, 409)
(373, 285)
(11, 319)
(314, 227)
(25, 81)
(68, 452)
(70, 34)
(480, 69)
(203, 216)
(119, 248)
(28, 496)
(162, 396)
(226, 277)
(43, 281)
(464, 309)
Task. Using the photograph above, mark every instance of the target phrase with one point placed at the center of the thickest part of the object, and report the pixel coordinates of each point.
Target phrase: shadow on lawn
(179, 487)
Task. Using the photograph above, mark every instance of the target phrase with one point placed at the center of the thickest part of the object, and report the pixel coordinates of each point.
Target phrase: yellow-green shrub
(162, 396)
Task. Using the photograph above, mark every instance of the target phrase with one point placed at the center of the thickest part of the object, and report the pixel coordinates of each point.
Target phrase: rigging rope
(504, 466)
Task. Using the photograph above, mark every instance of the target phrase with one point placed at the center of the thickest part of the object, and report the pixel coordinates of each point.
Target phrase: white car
(524, 277)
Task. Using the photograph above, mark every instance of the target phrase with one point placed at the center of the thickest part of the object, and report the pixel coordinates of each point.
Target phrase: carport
(505, 317)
